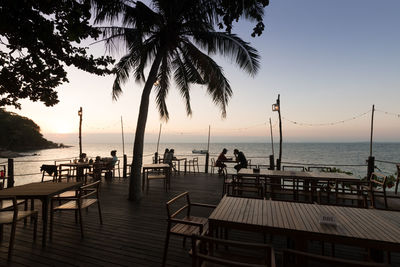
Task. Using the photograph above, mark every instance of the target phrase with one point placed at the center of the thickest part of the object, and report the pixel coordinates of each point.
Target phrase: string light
(327, 123)
(389, 113)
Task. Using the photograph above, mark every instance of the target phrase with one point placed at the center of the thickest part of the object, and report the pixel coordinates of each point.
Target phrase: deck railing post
(278, 164)
(271, 162)
(10, 173)
(156, 157)
(207, 158)
(125, 162)
(371, 166)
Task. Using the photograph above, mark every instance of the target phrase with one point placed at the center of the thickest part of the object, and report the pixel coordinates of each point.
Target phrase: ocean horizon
(349, 156)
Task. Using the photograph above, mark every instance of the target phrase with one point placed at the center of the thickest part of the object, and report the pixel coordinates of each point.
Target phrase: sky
(330, 61)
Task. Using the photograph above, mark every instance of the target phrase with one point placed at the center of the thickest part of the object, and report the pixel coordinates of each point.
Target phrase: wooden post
(158, 144)
(207, 158)
(124, 166)
(372, 130)
(10, 179)
(272, 138)
(271, 162)
(80, 131)
(280, 134)
(371, 167)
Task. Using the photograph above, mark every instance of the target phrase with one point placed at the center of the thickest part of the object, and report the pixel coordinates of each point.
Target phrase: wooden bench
(180, 220)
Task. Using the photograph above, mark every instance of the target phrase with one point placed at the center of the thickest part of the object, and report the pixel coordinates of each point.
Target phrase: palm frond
(182, 79)
(217, 84)
(230, 45)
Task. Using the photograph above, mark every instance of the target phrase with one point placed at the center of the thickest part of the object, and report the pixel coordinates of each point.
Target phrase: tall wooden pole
(158, 144)
(280, 133)
(123, 138)
(208, 152)
(372, 130)
(80, 131)
(272, 137)
(371, 159)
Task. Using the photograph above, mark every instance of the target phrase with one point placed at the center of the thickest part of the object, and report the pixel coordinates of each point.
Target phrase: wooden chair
(397, 179)
(246, 187)
(209, 251)
(12, 216)
(156, 175)
(181, 222)
(212, 165)
(351, 192)
(193, 163)
(377, 189)
(299, 258)
(88, 195)
(227, 182)
(49, 171)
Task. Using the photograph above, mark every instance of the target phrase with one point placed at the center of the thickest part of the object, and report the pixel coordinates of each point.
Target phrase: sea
(345, 156)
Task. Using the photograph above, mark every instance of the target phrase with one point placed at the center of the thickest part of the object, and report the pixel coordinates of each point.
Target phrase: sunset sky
(329, 60)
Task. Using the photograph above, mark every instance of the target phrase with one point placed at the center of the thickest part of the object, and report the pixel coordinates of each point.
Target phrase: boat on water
(199, 151)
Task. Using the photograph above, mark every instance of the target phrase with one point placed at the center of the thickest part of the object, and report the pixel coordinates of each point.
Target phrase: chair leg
(12, 238)
(35, 227)
(98, 206)
(80, 221)
(51, 219)
(166, 248)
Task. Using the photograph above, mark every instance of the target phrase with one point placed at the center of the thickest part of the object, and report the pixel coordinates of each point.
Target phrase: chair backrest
(177, 205)
(49, 170)
(291, 257)
(398, 178)
(212, 162)
(89, 190)
(206, 250)
(378, 179)
(8, 208)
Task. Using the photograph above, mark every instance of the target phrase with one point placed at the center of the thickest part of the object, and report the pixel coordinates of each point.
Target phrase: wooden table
(378, 229)
(155, 166)
(298, 174)
(79, 166)
(43, 192)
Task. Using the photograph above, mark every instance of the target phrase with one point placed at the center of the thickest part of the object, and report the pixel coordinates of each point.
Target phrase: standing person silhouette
(241, 159)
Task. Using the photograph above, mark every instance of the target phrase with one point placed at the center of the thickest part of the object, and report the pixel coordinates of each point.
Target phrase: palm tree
(176, 39)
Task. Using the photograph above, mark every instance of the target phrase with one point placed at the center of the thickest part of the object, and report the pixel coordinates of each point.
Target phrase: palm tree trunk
(135, 181)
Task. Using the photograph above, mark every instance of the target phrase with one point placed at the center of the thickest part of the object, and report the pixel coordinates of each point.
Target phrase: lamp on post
(80, 131)
(277, 107)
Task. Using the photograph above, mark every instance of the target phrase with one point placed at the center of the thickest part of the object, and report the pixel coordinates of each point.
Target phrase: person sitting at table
(114, 157)
(165, 154)
(241, 159)
(220, 160)
(83, 158)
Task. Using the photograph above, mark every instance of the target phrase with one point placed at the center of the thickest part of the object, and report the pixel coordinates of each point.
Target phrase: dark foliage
(20, 133)
(38, 39)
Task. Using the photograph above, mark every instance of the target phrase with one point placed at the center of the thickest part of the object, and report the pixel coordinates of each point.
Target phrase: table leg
(185, 166)
(179, 167)
(45, 209)
(143, 178)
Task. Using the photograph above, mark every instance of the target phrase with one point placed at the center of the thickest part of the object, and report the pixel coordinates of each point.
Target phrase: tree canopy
(20, 133)
(38, 39)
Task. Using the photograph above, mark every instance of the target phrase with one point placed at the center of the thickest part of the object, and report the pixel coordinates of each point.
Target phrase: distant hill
(19, 133)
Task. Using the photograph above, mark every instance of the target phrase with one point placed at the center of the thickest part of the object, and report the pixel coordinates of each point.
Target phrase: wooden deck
(132, 233)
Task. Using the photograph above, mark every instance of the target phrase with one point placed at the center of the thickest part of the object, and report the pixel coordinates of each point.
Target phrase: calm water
(27, 168)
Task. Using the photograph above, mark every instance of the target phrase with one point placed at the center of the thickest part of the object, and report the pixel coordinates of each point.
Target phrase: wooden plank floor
(132, 233)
